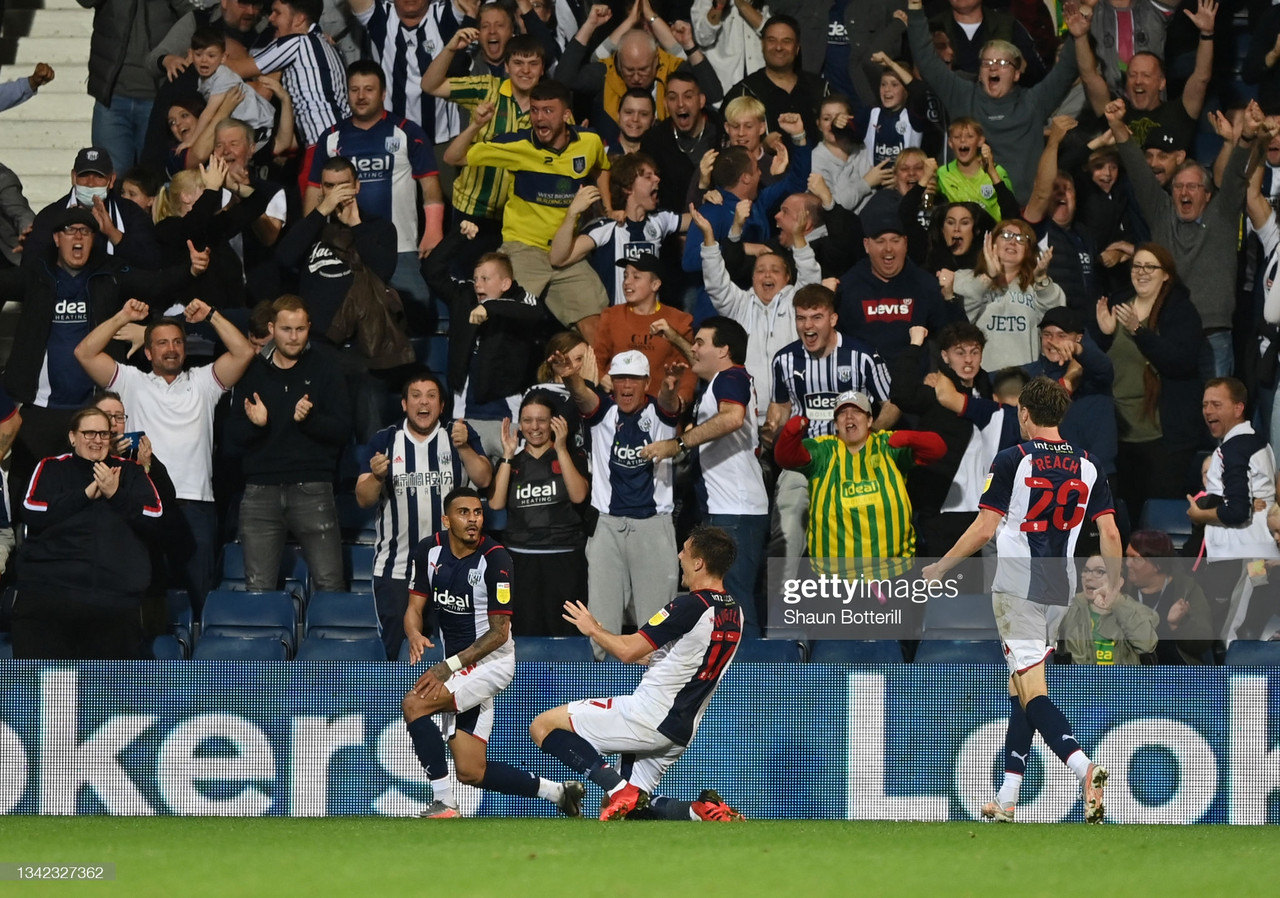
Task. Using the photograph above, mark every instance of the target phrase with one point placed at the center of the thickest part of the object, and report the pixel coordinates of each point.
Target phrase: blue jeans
(1217, 355)
(749, 532)
(419, 308)
(120, 129)
(269, 512)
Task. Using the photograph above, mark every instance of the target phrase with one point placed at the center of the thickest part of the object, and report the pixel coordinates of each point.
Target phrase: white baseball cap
(631, 363)
(855, 398)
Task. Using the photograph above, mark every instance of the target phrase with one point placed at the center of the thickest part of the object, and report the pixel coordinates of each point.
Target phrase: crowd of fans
(661, 239)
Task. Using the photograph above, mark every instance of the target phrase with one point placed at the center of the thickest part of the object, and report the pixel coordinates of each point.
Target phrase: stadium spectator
(637, 111)
(781, 84)
(290, 418)
(541, 485)
(10, 424)
(700, 631)
(233, 142)
(84, 564)
(1103, 629)
(1185, 621)
(973, 174)
(574, 295)
(731, 493)
(970, 26)
(141, 185)
(19, 90)
(843, 159)
(494, 335)
(728, 31)
(678, 144)
(627, 580)
(898, 116)
(174, 407)
(1153, 338)
(831, 231)
(1028, 600)
(874, 34)
(467, 579)
(406, 472)
(16, 216)
(955, 238)
(1008, 293)
(217, 81)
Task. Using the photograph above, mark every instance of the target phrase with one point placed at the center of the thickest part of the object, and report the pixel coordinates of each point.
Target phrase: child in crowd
(894, 125)
(208, 49)
(972, 176)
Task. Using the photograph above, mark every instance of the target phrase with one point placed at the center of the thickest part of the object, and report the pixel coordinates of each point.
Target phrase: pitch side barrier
(810, 741)
(916, 599)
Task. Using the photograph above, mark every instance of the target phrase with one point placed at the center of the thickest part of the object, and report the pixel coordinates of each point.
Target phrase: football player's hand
(577, 614)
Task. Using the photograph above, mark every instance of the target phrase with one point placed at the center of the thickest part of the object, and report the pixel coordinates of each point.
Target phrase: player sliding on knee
(467, 577)
(690, 644)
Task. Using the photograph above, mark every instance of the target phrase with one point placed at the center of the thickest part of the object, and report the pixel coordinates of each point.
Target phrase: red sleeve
(789, 450)
(927, 446)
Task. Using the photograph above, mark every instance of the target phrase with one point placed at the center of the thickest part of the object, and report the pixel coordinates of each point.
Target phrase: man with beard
(411, 467)
(174, 408)
(290, 418)
(781, 85)
(678, 144)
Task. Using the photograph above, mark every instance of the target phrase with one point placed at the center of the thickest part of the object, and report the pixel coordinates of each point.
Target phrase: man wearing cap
(883, 296)
(858, 502)
(641, 322)
(63, 299)
(124, 229)
(629, 569)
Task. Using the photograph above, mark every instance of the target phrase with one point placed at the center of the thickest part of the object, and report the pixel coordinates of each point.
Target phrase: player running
(1042, 490)
(692, 641)
(467, 578)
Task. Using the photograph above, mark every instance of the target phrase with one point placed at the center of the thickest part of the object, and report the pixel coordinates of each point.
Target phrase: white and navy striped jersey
(623, 484)
(696, 637)
(404, 53)
(995, 428)
(1241, 470)
(420, 475)
(889, 133)
(315, 78)
(463, 591)
(811, 384)
(1045, 490)
(616, 241)
(726, 473)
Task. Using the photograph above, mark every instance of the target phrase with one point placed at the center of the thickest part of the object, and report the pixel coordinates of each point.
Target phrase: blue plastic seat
(855, 651)
(964, 617)
(178, 606)
(240, 648)
(1169, 515)
(553, 648)
(357, 567)
(166, 647)
(6, 647)
(958, 651)
(342, 615)
(1252, 653)
(315, 648)
(357, 524)
(293, 575)
(768, 651)
(250, 614)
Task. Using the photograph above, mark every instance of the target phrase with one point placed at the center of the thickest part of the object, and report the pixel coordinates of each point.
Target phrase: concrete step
(30, 163)
(71, 23)
(69, 78)
(53, 50)
(41, 190)
(68, 107)
(47, 135)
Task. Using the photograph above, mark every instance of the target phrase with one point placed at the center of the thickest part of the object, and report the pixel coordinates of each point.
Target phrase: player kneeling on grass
(467, 578)
(691, 641)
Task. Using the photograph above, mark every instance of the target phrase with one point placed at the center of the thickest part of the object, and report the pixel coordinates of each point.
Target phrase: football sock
(442, 790)
(670, 809)
(549, 790)
(1017, 747)
(577, 754)
(500, 777)
(1044, 715)
(428, 744)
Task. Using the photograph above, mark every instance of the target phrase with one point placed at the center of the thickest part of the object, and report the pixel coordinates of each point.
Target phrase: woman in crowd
(956, 234)
(541, 487)
(1184, 619)
(85, 564)
(843, 160)
(1102, 629)
(1153, 336)
(1007, 293)
(578, 351)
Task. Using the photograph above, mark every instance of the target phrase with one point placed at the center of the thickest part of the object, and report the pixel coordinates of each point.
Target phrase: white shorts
(612, 727)
(1029, 630)
(473, 690)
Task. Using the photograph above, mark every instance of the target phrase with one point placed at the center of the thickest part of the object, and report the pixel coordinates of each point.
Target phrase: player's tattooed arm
(499, 633)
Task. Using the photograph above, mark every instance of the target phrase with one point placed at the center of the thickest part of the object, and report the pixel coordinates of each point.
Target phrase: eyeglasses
(117, 416)
(95, 434)
(77, 231)
(1095, 570)
(996, 63)
(1015, 235)
(1147, 267)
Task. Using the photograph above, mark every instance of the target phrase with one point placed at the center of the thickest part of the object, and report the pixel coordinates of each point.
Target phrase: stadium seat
(553, 648)
(240, 648)
(1252, 653)
(341, 615)
(437, 354)
(6, 647)
(768, 651)
(432, 655)
(178, 604)
(357, 567)
(958, 651)
(855, 651)
(356, 523)
(293, 574)
(318, 649)
(250, 615)
(1169, 515)
(167, 648)
(964, 617)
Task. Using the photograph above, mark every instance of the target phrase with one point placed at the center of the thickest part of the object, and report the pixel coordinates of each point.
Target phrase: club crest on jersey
(503, 594)
(474, 577)
(659, 617)
(446, 458)
(391, 144)
(644, 425)
(579, 165)
(844, 373)
(987, 191)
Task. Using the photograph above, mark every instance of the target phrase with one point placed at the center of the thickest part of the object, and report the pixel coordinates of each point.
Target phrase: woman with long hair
(956, 233)
(1153, 336)
(1007, 293)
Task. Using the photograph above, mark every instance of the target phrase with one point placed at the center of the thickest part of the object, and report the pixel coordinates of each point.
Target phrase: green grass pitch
(563, 858)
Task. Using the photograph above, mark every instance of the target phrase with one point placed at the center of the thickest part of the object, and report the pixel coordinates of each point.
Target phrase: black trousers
(58, 626)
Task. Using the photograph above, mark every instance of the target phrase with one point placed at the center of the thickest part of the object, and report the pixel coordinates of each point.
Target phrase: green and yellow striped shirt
(481, 190)
(858, 506)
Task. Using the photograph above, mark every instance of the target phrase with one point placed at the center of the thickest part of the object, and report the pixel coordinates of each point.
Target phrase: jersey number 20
(1068, 501)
